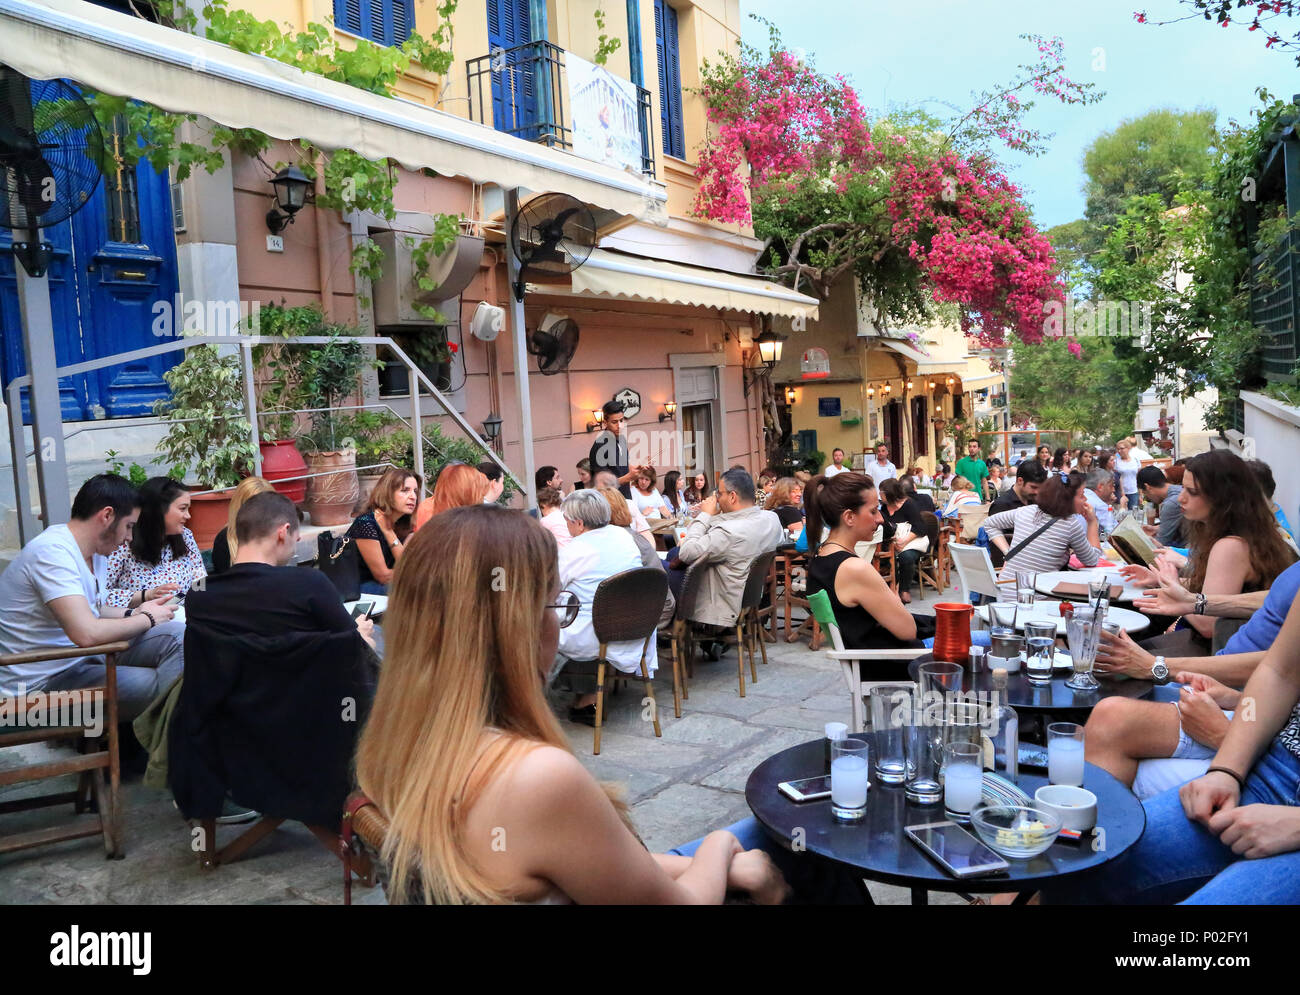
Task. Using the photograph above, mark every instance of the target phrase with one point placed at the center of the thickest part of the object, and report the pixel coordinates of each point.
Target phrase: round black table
(876, 848)
(1046, 699)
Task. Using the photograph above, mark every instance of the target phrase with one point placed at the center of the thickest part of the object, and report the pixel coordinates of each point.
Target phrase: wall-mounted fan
(554, 343)
(51, 148)
(552, 234)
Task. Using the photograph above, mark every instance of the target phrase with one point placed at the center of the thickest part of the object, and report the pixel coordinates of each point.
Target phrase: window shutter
(347, 15)
(403, 20)
(380, 30)
(662, 64)
(674, 83)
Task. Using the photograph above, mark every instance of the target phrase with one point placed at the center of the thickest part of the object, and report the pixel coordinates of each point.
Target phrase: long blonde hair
(448, 676)
(248, 487)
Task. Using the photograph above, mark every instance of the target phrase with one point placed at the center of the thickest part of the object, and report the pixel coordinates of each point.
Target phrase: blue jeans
(1178, 860)
(149, 667)
(1134, 502)
(814, 881)
(373, 587)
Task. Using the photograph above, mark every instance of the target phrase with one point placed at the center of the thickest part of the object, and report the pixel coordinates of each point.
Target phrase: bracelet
(1200, 605)
(1241, 781)
(149, 616)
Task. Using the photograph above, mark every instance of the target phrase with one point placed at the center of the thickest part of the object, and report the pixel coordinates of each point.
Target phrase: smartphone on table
(808, 789)
(956, 850)
(362, 608)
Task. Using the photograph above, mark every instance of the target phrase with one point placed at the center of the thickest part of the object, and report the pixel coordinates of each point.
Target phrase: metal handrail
(27, 521)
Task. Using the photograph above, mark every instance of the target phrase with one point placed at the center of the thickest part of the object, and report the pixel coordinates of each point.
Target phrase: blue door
(514, 75)
(114, 260)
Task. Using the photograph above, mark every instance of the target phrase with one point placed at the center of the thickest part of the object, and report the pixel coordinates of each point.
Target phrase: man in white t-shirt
(50, 596)
(837, 464)
(881, 468)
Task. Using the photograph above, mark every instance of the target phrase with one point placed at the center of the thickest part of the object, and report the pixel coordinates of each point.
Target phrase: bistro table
(1044, 610)
(1046, 699)
(1046, 583)
(876, 848)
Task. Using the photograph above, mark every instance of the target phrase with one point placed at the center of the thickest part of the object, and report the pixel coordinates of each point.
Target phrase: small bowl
(1075, 807)
(1015, 831)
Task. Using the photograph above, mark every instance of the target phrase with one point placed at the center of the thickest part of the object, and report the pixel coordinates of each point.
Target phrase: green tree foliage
(1093, 396)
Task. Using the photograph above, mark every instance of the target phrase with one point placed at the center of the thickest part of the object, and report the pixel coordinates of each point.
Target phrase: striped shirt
(1048, 551)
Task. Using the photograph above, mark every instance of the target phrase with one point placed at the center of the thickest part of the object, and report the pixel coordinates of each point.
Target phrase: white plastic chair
(975, 573)
(820, 603)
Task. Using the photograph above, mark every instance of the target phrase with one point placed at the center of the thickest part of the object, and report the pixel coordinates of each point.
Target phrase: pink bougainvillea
(780, 131)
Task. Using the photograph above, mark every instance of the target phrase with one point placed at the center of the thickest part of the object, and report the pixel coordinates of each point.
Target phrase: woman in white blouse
(161, 556)
(1126, 468)
(646, 496)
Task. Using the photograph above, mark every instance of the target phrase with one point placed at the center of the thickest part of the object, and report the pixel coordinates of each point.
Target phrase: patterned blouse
(1290, 734)
(127, 575)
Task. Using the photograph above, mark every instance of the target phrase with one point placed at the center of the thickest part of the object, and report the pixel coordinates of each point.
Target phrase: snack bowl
(1076, 807)
(1015, 831)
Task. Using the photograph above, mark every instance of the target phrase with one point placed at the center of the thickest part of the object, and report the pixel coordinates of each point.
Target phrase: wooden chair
(361, 842)
(929, 568)
(972, 517)
(749, 623)
(87, 764)
(796, 597)
(850, 659)
(627, 607)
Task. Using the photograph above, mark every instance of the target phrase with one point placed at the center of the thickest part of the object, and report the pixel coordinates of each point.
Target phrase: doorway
(697, 439)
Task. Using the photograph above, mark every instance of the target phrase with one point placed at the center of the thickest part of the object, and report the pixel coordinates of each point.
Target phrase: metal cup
(977, 658)
(1006, 647)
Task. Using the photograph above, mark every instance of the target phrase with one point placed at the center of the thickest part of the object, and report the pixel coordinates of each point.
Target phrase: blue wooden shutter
(670, 80)
(385, 22)
(403, 20)
(347, 15)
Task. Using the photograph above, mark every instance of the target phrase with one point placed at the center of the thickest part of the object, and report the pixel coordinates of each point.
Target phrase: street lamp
(791, 395)
(769, 348)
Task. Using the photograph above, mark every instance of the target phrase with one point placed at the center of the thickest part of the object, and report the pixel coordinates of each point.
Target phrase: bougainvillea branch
(920, 214)
(1261, 17)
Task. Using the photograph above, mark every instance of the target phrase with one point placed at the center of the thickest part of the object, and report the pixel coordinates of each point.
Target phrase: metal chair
(849, 659)
(87, 764)
(626, 607)
(975, 574)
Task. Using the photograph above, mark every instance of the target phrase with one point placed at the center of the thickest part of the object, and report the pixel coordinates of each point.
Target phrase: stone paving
(679, 787)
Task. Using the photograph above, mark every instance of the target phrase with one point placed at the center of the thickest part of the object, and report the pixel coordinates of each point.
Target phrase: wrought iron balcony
(524, 91)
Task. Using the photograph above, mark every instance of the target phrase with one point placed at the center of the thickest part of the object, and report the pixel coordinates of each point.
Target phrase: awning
(182, 73)
(935, 360)
(979, 375)
(625, 277)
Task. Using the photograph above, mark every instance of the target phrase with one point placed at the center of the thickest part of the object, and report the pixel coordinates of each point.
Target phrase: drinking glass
(963, 780)
(1083, 633)
(891, 714)
(1026, 587)
(1002, 615)
(1039, 657)
(849, 779)
(941, 677)
(924, 746)
(1065, 753)
(1098, 588)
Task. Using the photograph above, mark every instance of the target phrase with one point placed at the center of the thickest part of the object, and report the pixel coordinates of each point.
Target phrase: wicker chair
(627, 607)
(87, 764)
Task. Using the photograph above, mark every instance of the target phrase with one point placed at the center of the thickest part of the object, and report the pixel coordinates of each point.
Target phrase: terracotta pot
(366, 482)
(209, 514)
(281, 459)
(331, 497)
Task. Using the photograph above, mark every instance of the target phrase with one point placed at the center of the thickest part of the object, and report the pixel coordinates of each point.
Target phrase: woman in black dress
(868, 613)
(908, 548)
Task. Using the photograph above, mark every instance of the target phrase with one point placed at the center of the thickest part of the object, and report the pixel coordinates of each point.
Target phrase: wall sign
(631, 402)
(828, 407)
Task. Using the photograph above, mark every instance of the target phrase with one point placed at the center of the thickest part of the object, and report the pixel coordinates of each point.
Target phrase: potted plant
(328, 374)
(277, 419)
(203, 434)
(377, 448)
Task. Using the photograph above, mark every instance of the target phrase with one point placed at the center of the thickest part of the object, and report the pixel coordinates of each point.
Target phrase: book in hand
(1132, 544)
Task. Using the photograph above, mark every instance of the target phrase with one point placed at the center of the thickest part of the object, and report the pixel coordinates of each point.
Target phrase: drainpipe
(323, 270)
(493, 259)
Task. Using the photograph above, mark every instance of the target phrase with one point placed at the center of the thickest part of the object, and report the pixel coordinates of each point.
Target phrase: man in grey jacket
(727, 535)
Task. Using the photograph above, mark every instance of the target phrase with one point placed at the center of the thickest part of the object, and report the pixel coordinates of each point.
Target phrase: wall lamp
(669, 411)
(290, 185)
(597, 419)
(791, 395)
(770, 346)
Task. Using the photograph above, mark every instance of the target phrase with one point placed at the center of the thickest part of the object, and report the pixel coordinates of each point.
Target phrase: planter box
(1273, 435)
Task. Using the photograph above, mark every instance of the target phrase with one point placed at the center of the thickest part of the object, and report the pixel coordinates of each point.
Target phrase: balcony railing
(1274, 306)
(523, 91)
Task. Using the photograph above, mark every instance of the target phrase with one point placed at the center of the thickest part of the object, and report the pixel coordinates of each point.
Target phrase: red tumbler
(952, 632)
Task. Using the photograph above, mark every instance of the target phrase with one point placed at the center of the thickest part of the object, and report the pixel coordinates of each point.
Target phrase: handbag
(337, 559)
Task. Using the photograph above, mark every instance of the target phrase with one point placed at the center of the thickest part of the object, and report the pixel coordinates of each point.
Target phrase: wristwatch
(1199, 609)
(1159, 672)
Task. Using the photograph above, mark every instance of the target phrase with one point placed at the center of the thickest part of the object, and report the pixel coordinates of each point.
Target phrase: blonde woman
(1126, 470)
(225, 545)
(485, 800)
(963, 492)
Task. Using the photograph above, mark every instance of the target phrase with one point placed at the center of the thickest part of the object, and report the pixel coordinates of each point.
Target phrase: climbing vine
(605, 44)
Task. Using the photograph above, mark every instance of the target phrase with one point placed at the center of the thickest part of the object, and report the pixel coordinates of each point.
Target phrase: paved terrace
(679, 787)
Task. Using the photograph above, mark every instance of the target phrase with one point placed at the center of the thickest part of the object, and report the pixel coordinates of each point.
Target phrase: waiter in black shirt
(609, 451)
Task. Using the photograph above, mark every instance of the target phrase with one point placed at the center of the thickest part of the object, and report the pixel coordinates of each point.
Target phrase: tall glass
(1041, 652)
(963, 780)
(924, 746)
(941, 677)
(1065, 753)
(1083, 633)
(891, 714)
(1026, 588)
(849, 780)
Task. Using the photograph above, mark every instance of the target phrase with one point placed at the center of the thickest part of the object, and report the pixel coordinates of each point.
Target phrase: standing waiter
(609, 451)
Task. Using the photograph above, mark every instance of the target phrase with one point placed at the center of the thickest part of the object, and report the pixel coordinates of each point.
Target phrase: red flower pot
(209, 514)
(281, 459)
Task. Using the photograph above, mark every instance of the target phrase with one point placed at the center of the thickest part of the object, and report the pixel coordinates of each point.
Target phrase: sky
(936, 54)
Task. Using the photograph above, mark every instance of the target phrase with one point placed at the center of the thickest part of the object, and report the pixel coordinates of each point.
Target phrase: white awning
(625, 277)
(130, 57)
(979, 375)
(933, 361)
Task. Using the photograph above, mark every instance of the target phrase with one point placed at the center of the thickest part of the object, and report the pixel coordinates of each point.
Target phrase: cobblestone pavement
(679, 786)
